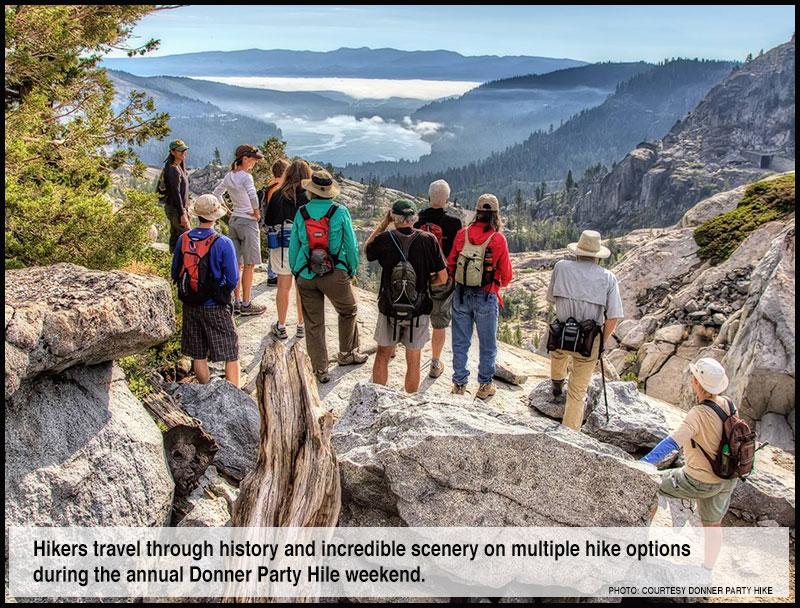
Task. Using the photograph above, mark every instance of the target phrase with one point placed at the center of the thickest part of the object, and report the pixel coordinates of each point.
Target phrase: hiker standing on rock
(588, 308)
(173, 191)
(480, 266)
(243, 225)
(713, 439)
(264, 195)
(323, 255)
(205, 270)
(280, 213)
(444, 225)
(411, 263)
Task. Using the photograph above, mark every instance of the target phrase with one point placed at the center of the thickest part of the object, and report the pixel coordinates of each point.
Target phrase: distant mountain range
(644, 107)
(344, 62)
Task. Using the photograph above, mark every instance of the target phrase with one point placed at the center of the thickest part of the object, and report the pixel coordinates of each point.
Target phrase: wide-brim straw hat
(589, 246)
(209, 207)
(321, 184)
(710, 374)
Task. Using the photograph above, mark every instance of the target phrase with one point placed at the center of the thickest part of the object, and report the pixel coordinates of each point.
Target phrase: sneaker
(558, 387)
(322, 376)
(437, 369)
(459, 389)
(237, 307)
(301, 331)
(353, 358)
(272, 281)
(252, 309)
(486, 390)
(279, 332)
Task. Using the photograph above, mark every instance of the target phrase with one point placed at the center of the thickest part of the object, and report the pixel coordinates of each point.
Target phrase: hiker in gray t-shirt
(583, 290)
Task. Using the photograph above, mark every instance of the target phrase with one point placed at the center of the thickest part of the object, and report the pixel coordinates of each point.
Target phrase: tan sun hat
(321, 184)
(487, 202)
(209, 207)
(589, 246)
(710, 374)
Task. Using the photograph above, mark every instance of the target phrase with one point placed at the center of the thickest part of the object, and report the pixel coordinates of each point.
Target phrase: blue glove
(658, 453)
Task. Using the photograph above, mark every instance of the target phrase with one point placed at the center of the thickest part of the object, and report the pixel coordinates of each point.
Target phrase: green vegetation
(762, 202)
(510, 334)
(520, 305)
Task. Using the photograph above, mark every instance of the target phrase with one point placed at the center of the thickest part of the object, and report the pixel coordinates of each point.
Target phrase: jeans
(474, 308)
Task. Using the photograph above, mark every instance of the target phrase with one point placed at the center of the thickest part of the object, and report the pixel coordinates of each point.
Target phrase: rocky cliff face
(743, 129)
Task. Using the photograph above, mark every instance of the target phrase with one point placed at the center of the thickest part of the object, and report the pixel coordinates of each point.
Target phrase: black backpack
(400, 298)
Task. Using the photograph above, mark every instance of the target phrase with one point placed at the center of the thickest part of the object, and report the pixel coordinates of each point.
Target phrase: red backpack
(737, 447)
(320, 259)
(196, 284)
(435, 230)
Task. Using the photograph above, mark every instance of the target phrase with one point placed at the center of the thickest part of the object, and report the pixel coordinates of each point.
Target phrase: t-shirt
(704, 426)
(281, 209)
(224, 267)
(240, 187)
(581, 289)
(424, 255)
(446, 220)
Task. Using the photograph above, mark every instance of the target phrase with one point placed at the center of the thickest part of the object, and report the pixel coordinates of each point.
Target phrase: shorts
(275, 261)
(442, 299)
(246, 237)
(209, 333)
(384, 329)
(713, 499)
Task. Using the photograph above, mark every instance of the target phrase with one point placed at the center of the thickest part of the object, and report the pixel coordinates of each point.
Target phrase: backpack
(196, 284)
(320, 260)
(435, 230)
(400, 298)
(737, 447)
(473, 269)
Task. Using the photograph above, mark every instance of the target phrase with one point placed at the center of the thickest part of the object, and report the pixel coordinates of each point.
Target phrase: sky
(588, 33)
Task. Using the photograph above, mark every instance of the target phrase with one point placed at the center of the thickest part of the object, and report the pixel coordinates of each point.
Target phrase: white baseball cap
(710, 374)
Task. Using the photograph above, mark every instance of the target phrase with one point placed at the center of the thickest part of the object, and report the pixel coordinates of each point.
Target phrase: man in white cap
(583, 291)
(700, 431)
(205, 268)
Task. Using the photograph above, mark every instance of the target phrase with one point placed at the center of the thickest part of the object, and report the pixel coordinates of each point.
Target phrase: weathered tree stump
(189, 448)
(296, 479)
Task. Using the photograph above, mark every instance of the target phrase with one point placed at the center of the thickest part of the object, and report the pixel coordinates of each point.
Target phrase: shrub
(762, 202)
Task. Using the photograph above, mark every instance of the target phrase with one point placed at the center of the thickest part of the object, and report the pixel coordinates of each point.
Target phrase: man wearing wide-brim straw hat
(584, 291)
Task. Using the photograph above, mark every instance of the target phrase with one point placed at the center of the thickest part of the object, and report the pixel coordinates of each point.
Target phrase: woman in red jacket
(480, 265)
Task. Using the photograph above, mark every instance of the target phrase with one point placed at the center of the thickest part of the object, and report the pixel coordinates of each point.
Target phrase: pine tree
(570, 183)
(217, 157)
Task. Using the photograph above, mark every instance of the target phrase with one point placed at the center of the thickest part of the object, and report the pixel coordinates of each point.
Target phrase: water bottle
(725, 461)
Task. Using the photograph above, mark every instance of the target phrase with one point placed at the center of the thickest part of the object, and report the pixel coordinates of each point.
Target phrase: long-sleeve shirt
(224, 267)
(498, 247)
(341, 239)
(240, 187)
(176, 188)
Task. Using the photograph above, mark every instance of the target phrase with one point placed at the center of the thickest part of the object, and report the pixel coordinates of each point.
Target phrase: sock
(434, 362)
(246, 304)
(301, 325)
(281, 325)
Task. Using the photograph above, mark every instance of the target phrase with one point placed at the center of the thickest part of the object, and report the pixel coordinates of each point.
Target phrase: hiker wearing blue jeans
(480, 309)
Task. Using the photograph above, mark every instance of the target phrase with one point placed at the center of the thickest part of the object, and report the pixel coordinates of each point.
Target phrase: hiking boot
(301, 331)
(486, 390)
(558, 387)
(237, 307)
(353, 358)
(252, 309)
(322, 376)
(437, 369)
(459, 389)
(272, 281)
(279, 332)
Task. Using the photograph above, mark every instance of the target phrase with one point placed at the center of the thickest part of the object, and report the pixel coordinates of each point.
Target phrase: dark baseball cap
(404, 207)
(178, 145)
(248, 150)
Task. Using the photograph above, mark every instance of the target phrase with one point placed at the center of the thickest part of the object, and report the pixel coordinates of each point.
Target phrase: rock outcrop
(64, 315)
(743, 129)
(446, 462)
(82, 451)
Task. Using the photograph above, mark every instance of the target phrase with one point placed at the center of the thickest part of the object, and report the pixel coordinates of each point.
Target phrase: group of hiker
(435, 273)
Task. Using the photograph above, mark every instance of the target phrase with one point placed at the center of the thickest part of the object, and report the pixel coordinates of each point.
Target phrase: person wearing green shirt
(334, 281)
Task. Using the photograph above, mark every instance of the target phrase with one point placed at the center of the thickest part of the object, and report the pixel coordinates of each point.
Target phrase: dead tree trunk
(296, 479)
(189, 448)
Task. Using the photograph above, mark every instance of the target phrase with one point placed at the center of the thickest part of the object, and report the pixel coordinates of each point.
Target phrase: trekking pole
(603, 380)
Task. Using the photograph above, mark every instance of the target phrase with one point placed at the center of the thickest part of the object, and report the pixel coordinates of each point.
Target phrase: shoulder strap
(331, 210)
(718, 410)
(304, 213)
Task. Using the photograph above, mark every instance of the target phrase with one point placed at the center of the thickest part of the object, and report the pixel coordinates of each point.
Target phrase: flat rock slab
(82, 451)
(63, 315)
(439, 461)
(230, 416)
